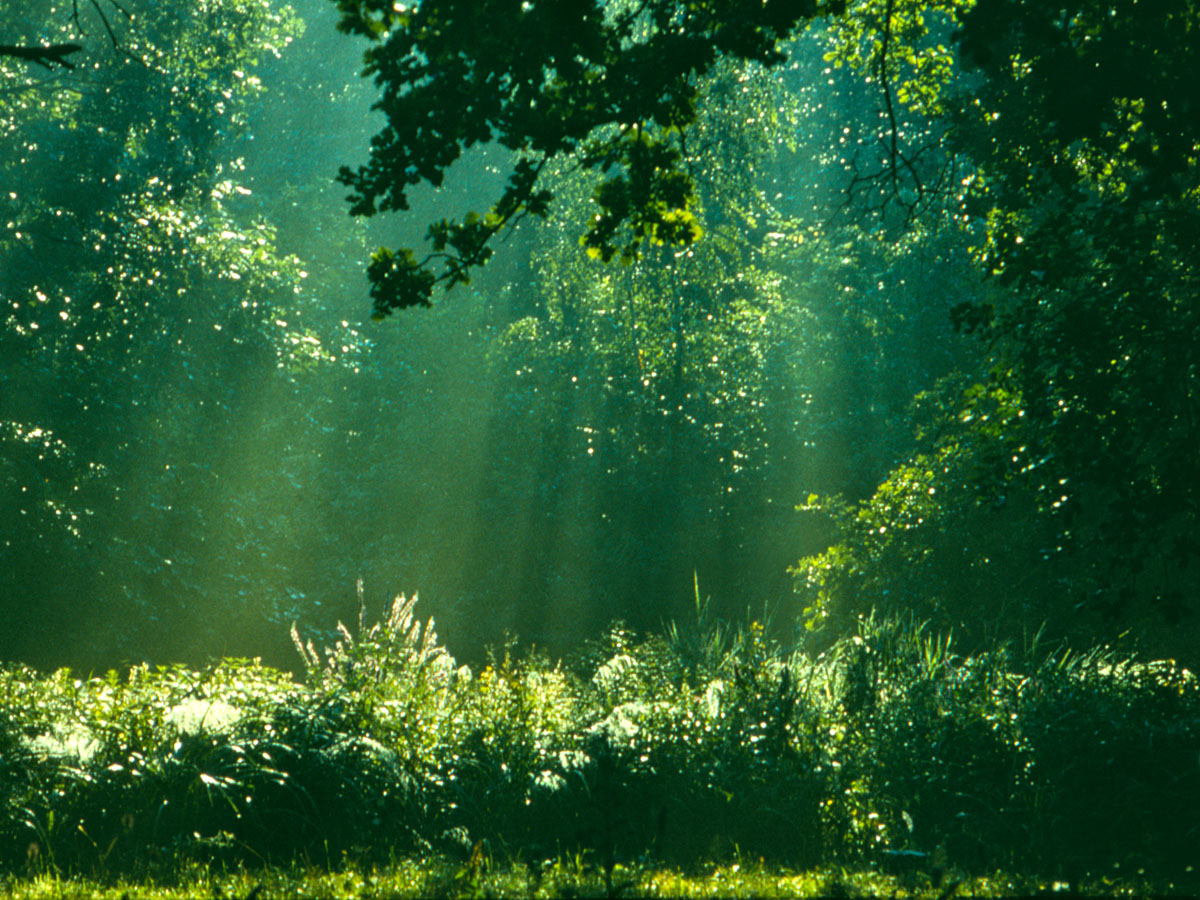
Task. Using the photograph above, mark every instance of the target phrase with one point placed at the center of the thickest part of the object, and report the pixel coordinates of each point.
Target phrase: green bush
(887, 750)
(1113, 757)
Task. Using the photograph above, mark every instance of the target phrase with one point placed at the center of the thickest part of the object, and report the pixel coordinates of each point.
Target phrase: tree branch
(95, 4)
(48, 57)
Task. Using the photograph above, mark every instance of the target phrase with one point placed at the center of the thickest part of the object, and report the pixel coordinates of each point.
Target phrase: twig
(95, 4)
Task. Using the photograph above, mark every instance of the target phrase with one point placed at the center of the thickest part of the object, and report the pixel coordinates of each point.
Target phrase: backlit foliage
(712, 742)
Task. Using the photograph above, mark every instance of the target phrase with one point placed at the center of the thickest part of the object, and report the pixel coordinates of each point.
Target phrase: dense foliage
(870, 313)
(889, 751)
(1092, 218)
(142, 297)
(1057, 488)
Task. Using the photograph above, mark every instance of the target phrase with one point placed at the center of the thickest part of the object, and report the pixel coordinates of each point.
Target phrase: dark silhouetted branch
(51, 56)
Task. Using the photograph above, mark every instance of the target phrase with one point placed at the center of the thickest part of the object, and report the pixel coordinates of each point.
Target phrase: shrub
(887, 748)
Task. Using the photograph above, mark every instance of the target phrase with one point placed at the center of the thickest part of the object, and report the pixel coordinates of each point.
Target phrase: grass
(443, 878)
(708, 761)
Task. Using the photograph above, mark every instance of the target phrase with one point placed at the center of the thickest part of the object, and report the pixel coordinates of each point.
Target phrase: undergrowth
(709, 745)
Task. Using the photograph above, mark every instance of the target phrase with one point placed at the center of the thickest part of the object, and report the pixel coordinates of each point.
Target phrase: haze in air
(555, 446)
(868, 335)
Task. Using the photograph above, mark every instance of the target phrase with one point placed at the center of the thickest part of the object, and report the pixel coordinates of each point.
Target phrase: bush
(886, 749)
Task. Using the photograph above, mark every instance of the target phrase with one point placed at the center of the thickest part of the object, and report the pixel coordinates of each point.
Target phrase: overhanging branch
(48, 56)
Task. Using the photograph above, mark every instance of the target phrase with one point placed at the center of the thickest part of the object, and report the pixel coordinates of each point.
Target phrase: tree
(1085, 134)
(647, 386)
(1065, 475)
(612, 85)
(664, 397)
(663, 416)
(139, 298)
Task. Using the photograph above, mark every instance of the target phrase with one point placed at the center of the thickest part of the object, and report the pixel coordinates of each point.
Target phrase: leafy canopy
(1085, 133)
(613, 85)
(1077, 130)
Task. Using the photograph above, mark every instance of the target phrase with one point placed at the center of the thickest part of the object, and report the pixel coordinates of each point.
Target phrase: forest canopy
(1061, 142)
(924, 270)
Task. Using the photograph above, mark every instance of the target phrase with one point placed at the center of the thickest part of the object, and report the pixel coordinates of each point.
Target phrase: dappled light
(786, 413)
